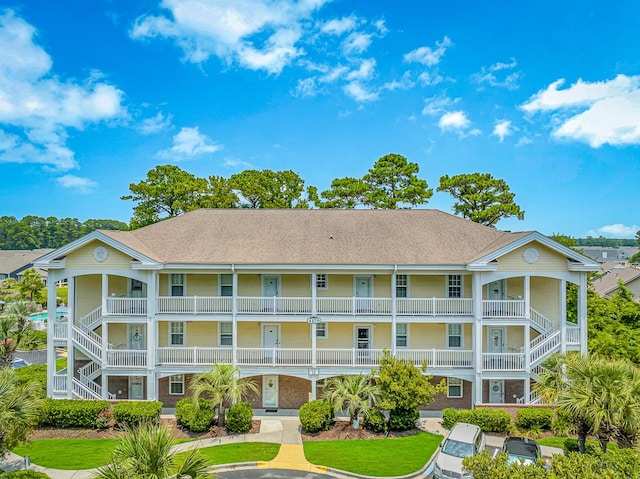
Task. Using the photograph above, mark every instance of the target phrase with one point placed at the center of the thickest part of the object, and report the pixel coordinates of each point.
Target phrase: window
(176, 384)
(454, 286)
(226, 285)
(226, 334)
(176, 334)
(402, 286)
(321, 330)
(402, 335)
(321, 281)
(454, 335)
(454, 387)
(177, 285)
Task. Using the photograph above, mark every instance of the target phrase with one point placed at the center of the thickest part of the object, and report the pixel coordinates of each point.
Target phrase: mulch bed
(344, 430)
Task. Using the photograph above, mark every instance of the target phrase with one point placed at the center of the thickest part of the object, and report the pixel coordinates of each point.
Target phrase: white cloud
(429, 79)
(356, 42)
(437, 104)
(82, 185)
(617, 230)
(227, 30)
(490, 76)
(154, 124)
(403, 84)
(457, 122)
(359, 92)
(189, 143)
(596, 113)
(502, 129)
(236, 163)
(429, 56)
(306, 87)
(364, 72)
(381, 26)
(338, 26)
(525, 140)
(38, 107)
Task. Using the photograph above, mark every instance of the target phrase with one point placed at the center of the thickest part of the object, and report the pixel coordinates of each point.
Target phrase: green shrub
(132, 413)
(24, 475)
(571, 445)
(374, 421)
(196, 420)
(316, 416)
(239, 418)
(71, 413)
(402, 419)
(534, 419)
(35, 372)
(489, 420)
(563, 423)
(451, 416)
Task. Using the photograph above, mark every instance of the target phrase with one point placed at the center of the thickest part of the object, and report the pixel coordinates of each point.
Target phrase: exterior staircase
(541, 347)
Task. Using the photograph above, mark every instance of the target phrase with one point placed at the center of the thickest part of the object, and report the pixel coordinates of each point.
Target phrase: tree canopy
(481, 198)
(269, 189)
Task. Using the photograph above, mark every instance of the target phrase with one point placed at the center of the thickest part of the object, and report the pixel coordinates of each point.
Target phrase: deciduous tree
(31, 283)
(269, 189)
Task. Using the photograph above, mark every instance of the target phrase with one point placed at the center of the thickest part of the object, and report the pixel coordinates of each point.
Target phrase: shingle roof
(609, 280)
(11, 259)
(292, 236)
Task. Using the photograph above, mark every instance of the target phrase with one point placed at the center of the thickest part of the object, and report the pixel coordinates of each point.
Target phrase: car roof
(522, 446)
(464, 432)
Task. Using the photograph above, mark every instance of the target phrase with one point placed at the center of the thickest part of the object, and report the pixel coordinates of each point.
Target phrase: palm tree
(223, 386)
(14, 327)
(19, 409)
(145, 453)
(353, 393)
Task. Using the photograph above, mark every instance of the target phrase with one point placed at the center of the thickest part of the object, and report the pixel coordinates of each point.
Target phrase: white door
(363, 343)
(137, 289)
(136, 387)
(270, 291)
(270, 339)
(496, 342)
(495, 290)
(269, 391)
(363, 291)
(136, 339)
(496, 391)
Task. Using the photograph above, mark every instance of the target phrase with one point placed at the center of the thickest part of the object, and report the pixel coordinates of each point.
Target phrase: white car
(464, 440)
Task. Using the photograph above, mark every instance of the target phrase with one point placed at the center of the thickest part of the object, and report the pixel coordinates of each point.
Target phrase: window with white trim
(454, 286)
(226, 334)
(454, 335)
(176, 284)
(176, 384)
(176, 333)
(402, 286)
(454, 387)
(402, 335)
(321, 331)
(226, 285)
(322, 281)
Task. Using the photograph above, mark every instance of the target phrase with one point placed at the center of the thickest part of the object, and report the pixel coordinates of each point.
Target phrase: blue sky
(545, 95)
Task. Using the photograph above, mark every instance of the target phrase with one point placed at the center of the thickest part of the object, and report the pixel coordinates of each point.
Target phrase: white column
(527, 391)
(527, 348)
(234, 320)
(582, 312)
(476, 285)
(71, 353)
(527, 296)
(105, 292)
(314, 327)
(563, 316)
(52, 277)
(152, 330)
(314, 383)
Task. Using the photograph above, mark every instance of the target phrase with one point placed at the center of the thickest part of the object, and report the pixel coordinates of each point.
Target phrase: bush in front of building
(24, 474)
(195, 419)
(534, 419)
(316, 415)
(403, 419)
(374, 421)
(489, 420)
(133, 413)
(239, 418)
(71, 413)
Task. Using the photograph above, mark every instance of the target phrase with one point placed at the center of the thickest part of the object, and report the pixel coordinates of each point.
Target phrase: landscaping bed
(344, 430)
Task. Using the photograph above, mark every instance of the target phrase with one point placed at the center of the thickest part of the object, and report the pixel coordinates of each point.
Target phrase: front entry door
(495, 290)
(363, 343)
(363, 291)
(496, 342)
(270, 291)
(496, 391)
(136, 387)
(269, 392)
(136, 339)
(270, 339)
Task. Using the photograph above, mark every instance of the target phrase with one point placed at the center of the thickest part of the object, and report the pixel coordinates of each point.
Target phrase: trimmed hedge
(132, 413)
(536, 419)
(196, 420)
(24, 475)
(239, 418)
(72, 413)
(401, 419)
(489, 420)
(316, 415)
(374, 421)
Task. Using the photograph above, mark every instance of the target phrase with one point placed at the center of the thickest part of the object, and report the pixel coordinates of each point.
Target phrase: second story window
(454, 286)
(321, 281)
(176, 334)
(402, 286)
(321, 331)
(226, 334)
(402, 335)
(454, 335)
(177, 285)
(226, 285)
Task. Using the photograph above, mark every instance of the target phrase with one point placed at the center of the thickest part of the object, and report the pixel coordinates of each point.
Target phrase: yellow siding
(515, 338)
(118, 286)
(382, 286)
(545, 297)
(515, 287)
(118, 335)
(163, 334)
(467, 287)
(249, 335)
(91, 296)
(249, 285)
(548, 260)
(83, 258)
(296, 285)
(427, 336)
(340, 286)
(202, 334)
(295, 335)
(382, 336)
(201, 285)
(427, 286)
(163, 285)
(340, 336)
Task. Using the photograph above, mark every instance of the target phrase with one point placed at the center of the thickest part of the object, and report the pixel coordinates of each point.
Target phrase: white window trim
(176, 382)
(461, 336)
(184, 285)
(408, 337)
(407, 286)
(461, 388)
(220, 285)
(184, 334)
(355, 334)
(326, 331)
(461, 285)
(326, 282)
(220, 345)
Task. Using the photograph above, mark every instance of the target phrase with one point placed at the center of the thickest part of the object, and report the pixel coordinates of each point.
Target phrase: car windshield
(457, 448)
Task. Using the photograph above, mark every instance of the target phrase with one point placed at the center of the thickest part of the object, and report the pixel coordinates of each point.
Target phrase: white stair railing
(89, 341)
(545, 348)
(82, 391)
(91, 320)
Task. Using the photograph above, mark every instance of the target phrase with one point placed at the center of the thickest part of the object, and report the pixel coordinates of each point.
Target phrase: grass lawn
(558, 441)
(68, 453)
(241, 452)
(375, 457)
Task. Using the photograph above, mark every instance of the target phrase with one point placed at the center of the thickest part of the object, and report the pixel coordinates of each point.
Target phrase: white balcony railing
(194, 356)
(127, 306)
(126, 358)
(504, 308)
(438, 358)
(274, 357)
(503, 361)
(573, 334)
(60, 382)
(435, 306)
(60, 330)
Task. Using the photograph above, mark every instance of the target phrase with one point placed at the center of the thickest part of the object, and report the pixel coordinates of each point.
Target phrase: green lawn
(558, 441)
(375, 457)
(241, 452)
(68, 453)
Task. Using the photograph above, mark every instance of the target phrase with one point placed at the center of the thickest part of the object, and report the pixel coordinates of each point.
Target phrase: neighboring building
(605, 255)
(612, 275)
(13, 263)
(293, 297)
